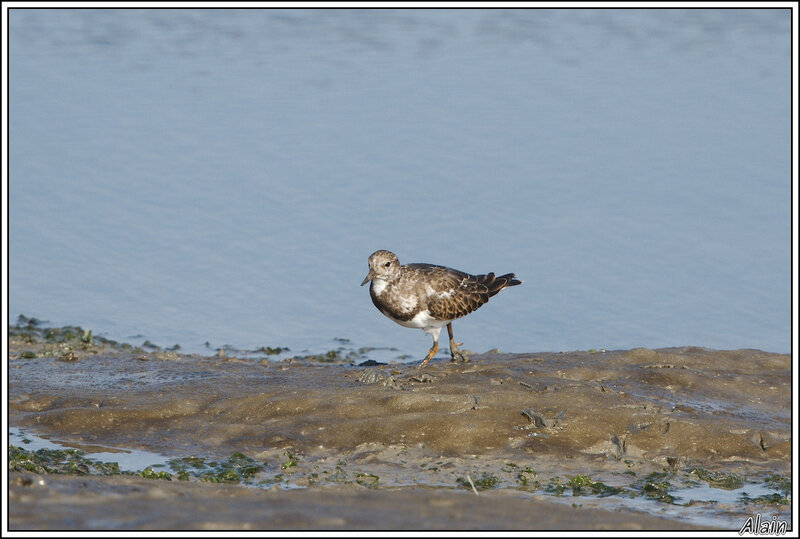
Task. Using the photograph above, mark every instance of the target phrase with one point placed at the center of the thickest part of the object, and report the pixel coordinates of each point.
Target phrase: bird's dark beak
(368, 278)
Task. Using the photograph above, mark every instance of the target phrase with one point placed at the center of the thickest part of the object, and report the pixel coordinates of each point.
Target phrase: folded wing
(459, 293)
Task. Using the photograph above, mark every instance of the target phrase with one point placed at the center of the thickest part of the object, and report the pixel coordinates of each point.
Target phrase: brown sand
(82, 503)
(609, 415)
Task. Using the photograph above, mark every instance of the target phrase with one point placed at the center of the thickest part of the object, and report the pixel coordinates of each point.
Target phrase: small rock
(69, 356)
(537, 419)
(23, 481)
(28, 481)
(758, 439)
(476, 399)
(370, 363)
(619, 445)
(370, 376)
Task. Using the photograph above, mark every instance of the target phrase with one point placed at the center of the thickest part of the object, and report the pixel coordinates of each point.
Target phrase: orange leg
(431, 353)
(455, 353)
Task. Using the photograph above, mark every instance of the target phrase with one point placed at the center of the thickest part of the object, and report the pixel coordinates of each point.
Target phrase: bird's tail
(496, 284)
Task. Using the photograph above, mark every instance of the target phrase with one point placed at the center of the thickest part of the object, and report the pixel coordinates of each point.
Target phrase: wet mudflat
(639, 439)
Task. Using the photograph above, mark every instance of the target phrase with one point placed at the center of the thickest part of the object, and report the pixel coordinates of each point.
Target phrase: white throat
(379, 286)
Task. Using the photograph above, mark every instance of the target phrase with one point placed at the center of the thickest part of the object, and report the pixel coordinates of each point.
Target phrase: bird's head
(382, 265)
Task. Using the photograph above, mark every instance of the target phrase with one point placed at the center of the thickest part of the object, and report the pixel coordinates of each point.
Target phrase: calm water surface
(186, 176)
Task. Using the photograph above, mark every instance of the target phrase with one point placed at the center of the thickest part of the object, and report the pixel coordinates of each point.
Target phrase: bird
(428, 296)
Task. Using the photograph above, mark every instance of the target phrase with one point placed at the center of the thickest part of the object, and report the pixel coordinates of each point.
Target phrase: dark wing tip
(510, 279)
(496, 284)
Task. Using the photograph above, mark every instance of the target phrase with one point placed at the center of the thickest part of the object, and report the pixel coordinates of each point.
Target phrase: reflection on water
(189, 176)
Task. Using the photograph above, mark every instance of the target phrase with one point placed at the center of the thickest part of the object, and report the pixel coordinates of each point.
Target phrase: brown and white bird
(429, 297)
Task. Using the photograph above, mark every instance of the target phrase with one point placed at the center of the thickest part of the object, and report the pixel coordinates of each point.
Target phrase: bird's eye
(387, 264)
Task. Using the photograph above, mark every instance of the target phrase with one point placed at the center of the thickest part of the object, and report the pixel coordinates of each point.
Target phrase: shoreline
(624, 433)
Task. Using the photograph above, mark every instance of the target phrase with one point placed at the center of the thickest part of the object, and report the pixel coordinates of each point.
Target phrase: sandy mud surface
(640, 439)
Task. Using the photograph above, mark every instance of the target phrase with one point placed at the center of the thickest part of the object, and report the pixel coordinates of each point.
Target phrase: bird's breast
(393, 302)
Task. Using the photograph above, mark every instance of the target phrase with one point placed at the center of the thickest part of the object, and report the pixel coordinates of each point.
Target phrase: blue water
(185, 176)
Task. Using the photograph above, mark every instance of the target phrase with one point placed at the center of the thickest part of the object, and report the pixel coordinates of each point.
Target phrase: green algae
(718, 480)
(780, 483)
(656, 486)
(485, 482)
(150, 473)
(555, 487)
(235, 469)
(272, 350)
(331, 356)
(340, 474)
(768, 499)
(584, 485)
(33, 331)
(340, 355)
(526, 478)
(291, 461)
(368, 480)
(57, 461)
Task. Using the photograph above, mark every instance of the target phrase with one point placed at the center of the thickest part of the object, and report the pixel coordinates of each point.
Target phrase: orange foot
(431, 353)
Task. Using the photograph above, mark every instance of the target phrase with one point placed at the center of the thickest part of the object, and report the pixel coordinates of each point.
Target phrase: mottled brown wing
(461, 293)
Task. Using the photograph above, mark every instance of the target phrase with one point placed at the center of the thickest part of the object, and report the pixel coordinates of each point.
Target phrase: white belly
(427, 324)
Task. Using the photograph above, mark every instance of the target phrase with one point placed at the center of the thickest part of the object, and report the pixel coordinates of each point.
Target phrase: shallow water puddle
(701, 505)
(236, 469)
(718, 495)
(129, 460)
(698, 504)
